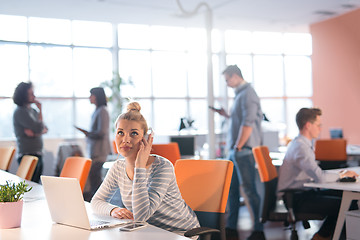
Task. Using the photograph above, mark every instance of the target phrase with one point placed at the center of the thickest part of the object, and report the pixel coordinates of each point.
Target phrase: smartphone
(148, 133)
(213, 108)
(132, 226)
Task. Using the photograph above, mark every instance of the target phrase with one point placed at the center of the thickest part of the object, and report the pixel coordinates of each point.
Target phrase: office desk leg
(345, 205)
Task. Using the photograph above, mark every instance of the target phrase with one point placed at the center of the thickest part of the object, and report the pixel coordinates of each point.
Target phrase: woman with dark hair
(28, 126)
(98, 141)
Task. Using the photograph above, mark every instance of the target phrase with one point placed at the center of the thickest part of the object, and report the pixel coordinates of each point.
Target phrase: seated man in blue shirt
(299, 167)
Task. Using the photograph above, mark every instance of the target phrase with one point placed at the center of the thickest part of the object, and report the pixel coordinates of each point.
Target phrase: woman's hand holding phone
(144, 150)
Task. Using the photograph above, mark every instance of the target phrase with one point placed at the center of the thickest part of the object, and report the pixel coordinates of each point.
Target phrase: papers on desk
(353, 149)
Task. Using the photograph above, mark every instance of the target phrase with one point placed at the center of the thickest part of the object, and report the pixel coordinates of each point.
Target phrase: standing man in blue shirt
(244, 133)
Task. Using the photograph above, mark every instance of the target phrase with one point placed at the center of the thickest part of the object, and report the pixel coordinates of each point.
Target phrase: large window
(279, 67)
(164, 68)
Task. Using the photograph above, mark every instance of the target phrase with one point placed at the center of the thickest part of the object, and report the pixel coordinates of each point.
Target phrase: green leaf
(11, 192)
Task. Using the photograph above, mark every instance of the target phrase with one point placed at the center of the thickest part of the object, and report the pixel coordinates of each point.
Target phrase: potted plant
(11, 203)
(114, 96)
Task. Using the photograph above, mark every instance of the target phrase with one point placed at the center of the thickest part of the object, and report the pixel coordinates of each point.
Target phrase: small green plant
(11, 192)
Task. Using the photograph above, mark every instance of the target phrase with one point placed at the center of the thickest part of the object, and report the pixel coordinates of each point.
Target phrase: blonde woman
(147, 183)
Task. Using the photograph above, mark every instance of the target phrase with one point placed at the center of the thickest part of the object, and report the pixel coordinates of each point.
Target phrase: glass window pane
(196, 39)
(167, 114)
(97, 34)
(147, 112)
(51, 70)
(57, 117)
(274, 110)
(292, 107)
(83, 112)
(6, 114)
(238, 41)
(169, 74)
(167, 38)
(47, 30)
(220, 121)
(218, 79)
(13, 28)
(135, 67)
(13, 67)
(267, 42)
(216, 41)
(297, 43)
(133, 35)
(199, 113)
(197, 75)
(91, 68)
(298, 76)
(268, 76)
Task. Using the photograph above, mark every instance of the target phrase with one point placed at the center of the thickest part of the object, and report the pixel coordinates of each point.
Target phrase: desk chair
(27, 167)
(114, 147)
(6, 157)
(77, 167)
(331, 153)
(204, 185)
(170, 151)
(272, 208)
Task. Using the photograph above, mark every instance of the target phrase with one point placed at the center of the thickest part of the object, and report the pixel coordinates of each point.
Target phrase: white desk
(36, 223)
(351, 191)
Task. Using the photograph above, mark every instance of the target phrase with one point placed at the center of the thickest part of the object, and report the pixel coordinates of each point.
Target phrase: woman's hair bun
(133, 106)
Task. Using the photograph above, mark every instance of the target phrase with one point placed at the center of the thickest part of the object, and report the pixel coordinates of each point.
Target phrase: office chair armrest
(201, 231)
(288, 198)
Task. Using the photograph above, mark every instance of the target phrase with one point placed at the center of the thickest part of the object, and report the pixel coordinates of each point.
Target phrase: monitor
(336, 133)
(186, 144)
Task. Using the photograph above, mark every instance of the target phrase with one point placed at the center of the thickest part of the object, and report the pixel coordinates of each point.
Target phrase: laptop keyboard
(98, 223)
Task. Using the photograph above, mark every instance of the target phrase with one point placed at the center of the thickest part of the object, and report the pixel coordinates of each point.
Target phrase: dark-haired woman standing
(28, 126)
(98, 141)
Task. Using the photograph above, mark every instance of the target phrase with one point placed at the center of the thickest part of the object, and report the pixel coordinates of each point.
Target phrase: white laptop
(67, 206)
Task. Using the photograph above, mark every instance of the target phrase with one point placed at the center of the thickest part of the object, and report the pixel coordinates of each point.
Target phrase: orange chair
(27, 167)
(272, 208)
(204, 185)
(77, 167)
(6, 157)
(169, 151)
(114, 147)
(331, 153)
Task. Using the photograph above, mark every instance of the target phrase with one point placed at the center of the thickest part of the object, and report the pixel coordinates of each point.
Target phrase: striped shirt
(152, 196)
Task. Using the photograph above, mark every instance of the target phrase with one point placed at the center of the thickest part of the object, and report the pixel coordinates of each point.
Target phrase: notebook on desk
(67, 206)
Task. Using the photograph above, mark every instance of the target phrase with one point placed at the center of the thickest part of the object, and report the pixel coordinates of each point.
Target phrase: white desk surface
(351, 191)
(37, 224)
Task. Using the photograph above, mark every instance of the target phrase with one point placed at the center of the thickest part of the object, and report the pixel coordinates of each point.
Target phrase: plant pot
(10, 214)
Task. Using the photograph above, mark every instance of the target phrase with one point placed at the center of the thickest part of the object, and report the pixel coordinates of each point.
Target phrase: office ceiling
(261, 15)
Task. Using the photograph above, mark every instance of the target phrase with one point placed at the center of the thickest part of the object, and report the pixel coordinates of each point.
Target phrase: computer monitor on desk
(336, 133)
(186, 145)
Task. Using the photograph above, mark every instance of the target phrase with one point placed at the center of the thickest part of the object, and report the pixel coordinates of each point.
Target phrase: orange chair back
(204, 184)
(170, 151)
(27, 167)
(114, 147)
(267, 170)
(330, 150)
(6, 157)
(77, 167)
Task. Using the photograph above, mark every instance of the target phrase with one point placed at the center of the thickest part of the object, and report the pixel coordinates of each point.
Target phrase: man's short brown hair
(305, 115)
